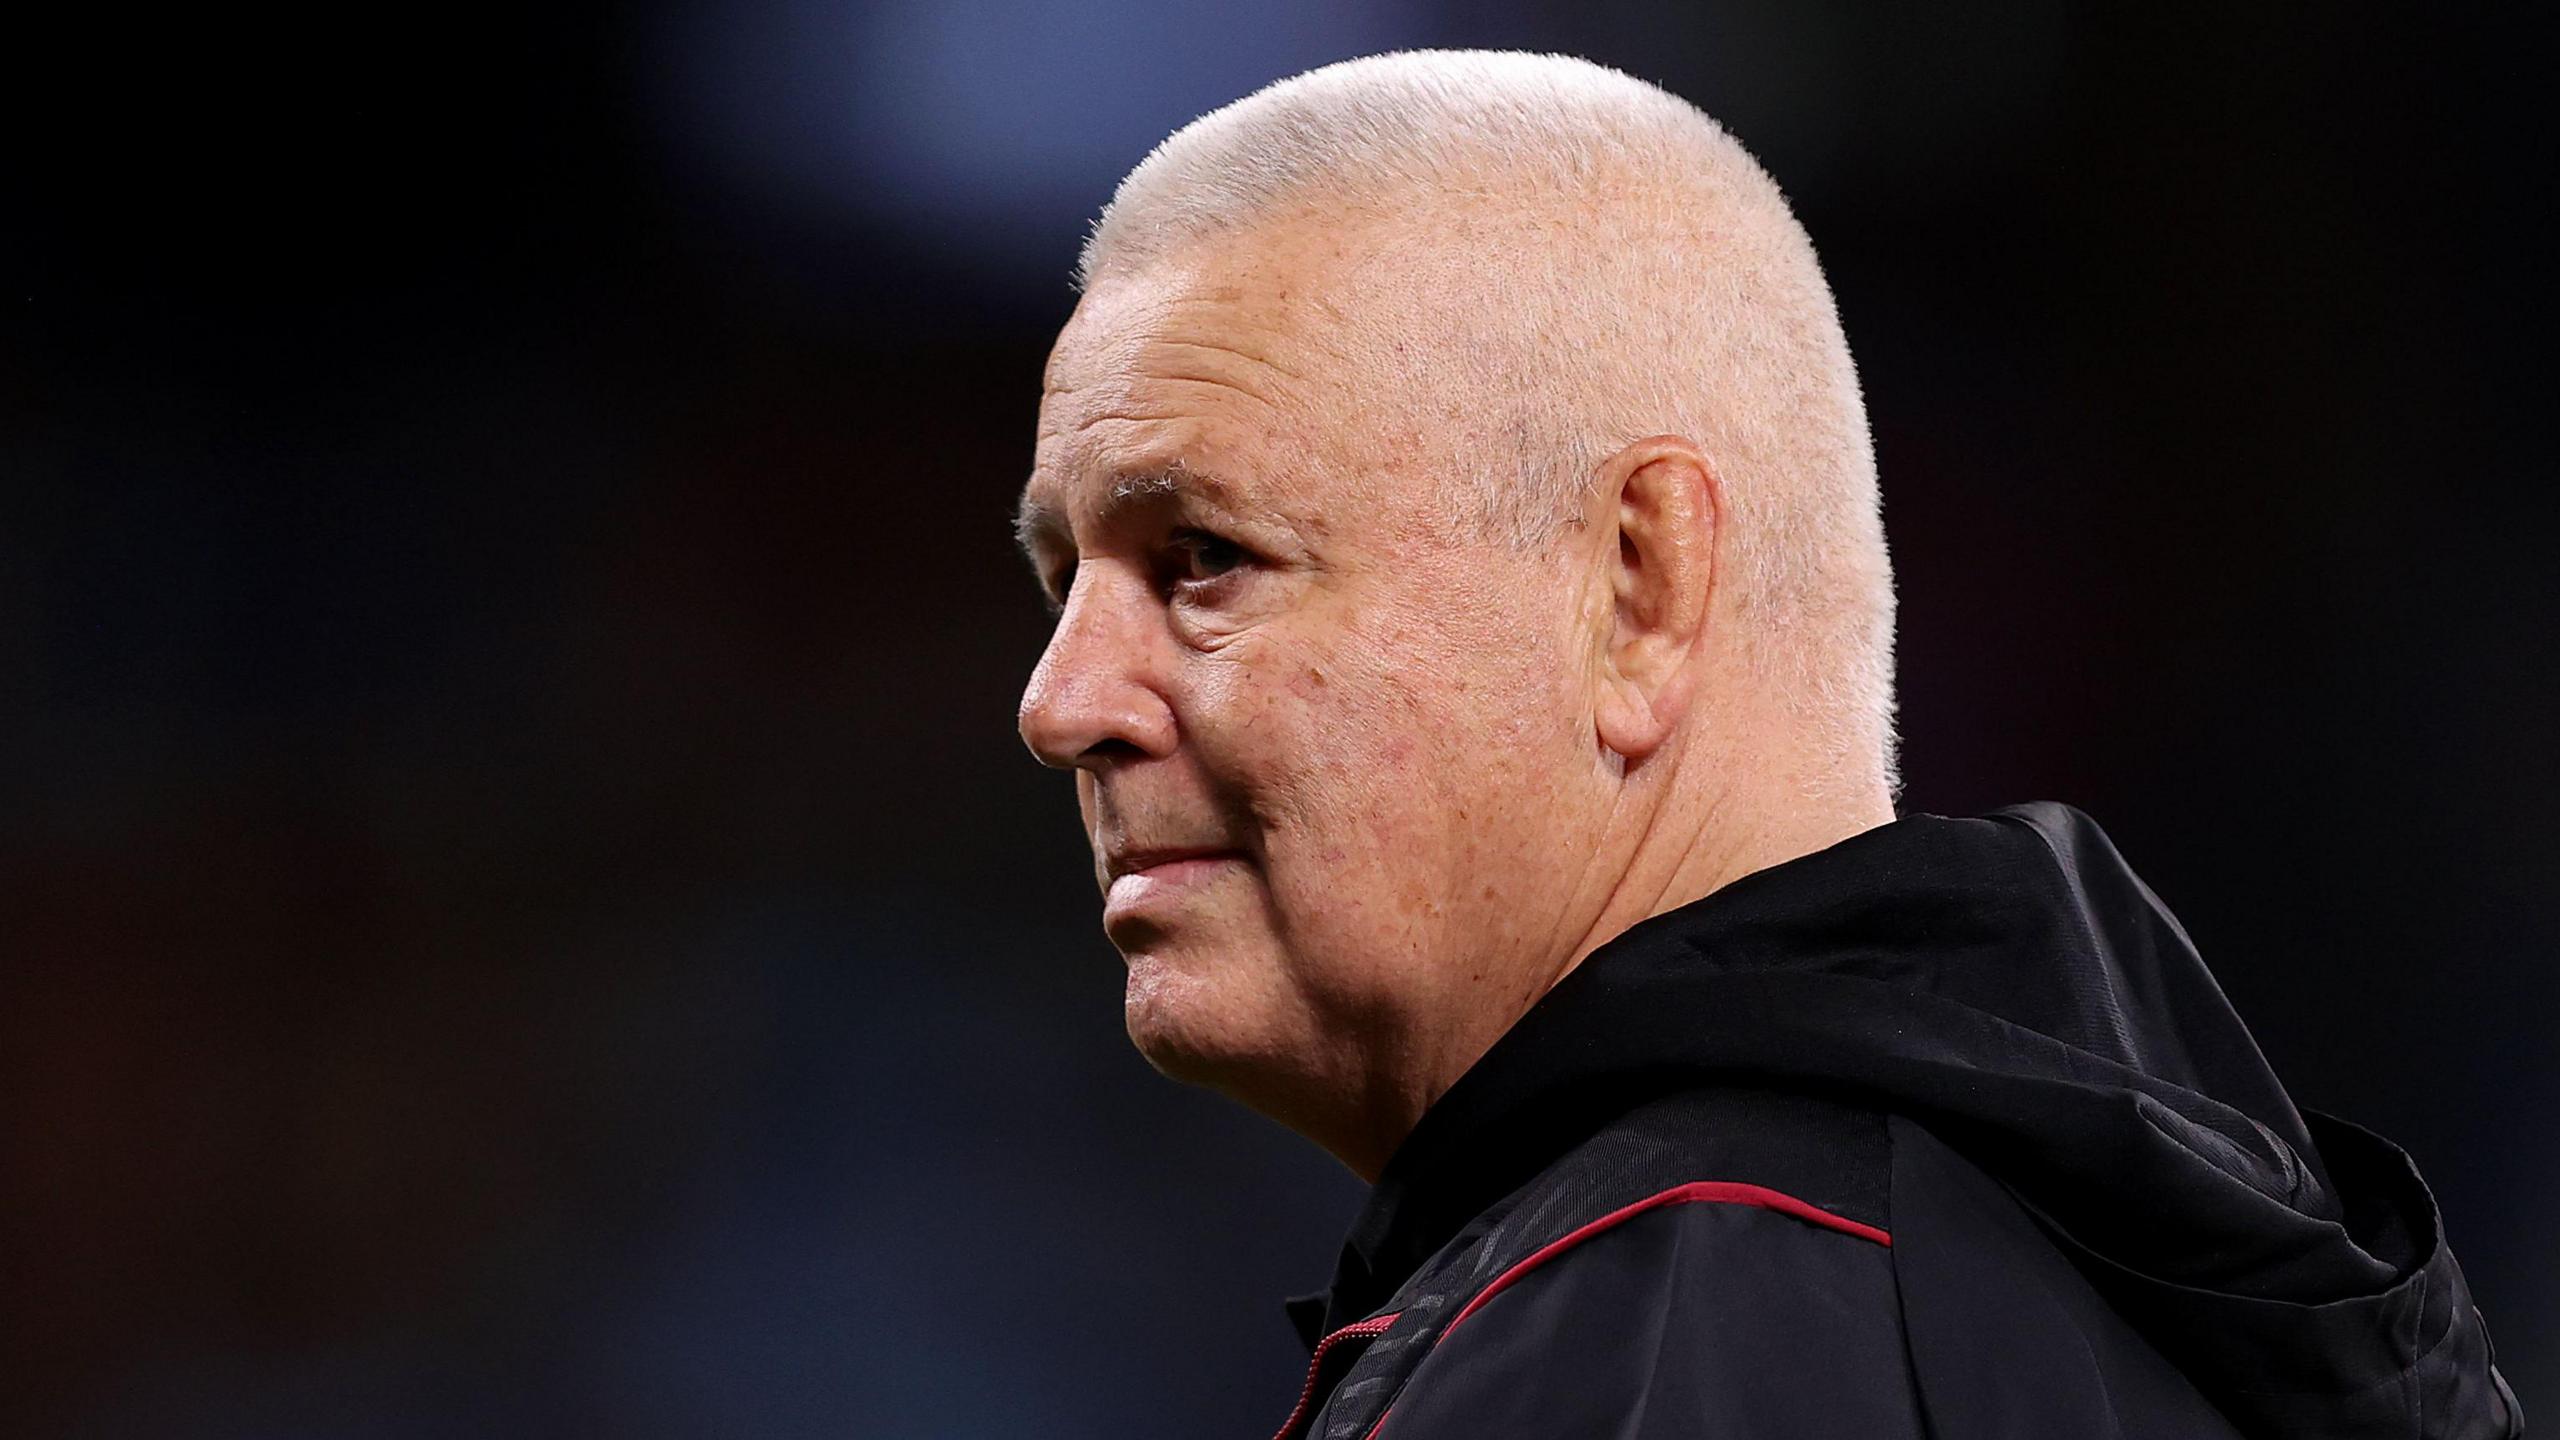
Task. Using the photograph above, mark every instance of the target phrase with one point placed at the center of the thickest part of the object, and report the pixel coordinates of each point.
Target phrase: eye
(1199, 557)
(1055, 585)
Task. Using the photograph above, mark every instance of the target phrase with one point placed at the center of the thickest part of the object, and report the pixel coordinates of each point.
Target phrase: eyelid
(1246, 554)
(1054, 588)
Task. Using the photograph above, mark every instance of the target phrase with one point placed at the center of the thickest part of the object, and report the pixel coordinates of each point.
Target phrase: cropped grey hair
(1625, 269)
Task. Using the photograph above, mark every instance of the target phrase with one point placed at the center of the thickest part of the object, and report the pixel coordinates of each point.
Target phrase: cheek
(1361, 751)
(1314, 742)
(1463, 732)
(1370, 755)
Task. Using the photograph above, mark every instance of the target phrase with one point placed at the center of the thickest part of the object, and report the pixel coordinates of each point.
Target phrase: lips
(1139, 861)
(1150, 889)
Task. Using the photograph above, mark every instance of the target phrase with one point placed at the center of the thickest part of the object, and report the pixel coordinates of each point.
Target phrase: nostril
(1095, 698)
(1047, 743)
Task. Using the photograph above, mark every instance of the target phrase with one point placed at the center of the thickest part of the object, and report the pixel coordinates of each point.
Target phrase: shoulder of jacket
(1819, 1163)
(1708, 1307)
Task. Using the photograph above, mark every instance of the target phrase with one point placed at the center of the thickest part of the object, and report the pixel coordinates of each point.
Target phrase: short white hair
(1663, 286)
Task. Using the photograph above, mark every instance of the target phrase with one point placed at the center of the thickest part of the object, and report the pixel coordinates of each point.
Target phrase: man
(1474, 654)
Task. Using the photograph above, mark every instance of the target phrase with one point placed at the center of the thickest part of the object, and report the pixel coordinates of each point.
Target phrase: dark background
(522, 910)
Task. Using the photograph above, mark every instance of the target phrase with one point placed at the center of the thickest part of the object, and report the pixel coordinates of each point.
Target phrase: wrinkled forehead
(1243, 358)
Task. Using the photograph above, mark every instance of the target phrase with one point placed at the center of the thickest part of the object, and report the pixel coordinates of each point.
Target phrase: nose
(1097, 694)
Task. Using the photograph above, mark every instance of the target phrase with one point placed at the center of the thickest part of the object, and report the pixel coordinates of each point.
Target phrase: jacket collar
(2007, 976)
(1533, 1094)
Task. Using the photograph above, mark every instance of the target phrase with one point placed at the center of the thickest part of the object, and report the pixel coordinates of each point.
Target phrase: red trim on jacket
(1315, 1363)
(1723, 1192)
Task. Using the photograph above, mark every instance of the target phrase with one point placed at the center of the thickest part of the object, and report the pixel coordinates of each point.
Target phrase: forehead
(1238, 360)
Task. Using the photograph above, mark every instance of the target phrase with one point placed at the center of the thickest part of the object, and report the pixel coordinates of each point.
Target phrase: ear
(1660, 510)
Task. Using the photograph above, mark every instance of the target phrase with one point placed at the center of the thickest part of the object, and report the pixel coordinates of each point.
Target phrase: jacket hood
(2009, 982)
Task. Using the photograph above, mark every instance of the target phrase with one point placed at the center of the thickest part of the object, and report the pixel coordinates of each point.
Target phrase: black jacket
(1942, 1131)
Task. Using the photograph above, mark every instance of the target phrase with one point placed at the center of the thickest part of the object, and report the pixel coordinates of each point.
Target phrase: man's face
(1327, 741)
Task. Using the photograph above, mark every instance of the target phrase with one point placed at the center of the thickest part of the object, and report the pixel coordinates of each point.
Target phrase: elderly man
(1474, 653)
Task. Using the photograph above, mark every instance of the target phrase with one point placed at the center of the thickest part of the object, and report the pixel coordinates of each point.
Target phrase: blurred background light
(987, 131)
(522, 910)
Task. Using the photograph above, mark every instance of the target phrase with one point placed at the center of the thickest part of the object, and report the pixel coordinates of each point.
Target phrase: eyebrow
(1035, 521)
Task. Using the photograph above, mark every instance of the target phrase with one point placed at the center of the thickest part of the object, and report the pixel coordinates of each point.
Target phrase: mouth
(1141, 884)
(1121, 864)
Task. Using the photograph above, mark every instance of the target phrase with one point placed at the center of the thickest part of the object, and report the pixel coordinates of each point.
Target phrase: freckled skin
(1398, 725)
(1361, 715)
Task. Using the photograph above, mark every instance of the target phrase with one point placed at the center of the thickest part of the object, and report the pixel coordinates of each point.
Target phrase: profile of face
(1331, 746)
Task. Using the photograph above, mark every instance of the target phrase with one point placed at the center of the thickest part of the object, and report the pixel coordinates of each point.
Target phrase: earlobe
(1665, 501)
(1626, 722)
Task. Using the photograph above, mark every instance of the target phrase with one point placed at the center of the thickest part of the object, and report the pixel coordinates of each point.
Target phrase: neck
(1684, 847)
(1717, 843)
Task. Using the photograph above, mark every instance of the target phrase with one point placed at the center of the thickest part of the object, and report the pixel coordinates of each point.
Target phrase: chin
(1163, 1012)
(1192, 1027)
